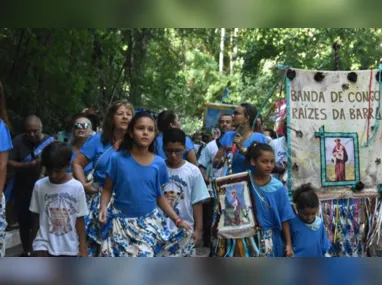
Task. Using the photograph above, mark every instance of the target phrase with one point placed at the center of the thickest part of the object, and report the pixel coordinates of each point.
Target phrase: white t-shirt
(206, 158)
(280, 148)
(185, 188)
(59, 206)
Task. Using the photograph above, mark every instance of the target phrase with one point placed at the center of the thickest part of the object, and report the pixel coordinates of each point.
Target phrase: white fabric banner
(341, 143)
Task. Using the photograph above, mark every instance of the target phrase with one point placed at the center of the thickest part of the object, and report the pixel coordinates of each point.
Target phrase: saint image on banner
(340, 157)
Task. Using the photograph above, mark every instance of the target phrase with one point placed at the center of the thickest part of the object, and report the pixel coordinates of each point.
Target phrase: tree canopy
(54, 73)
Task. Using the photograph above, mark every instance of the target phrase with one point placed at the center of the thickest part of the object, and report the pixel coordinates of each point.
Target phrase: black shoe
(25, 254)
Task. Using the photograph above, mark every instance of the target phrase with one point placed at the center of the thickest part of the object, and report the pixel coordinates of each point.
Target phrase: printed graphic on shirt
(59, 208)
(281, 156)
(174, 191)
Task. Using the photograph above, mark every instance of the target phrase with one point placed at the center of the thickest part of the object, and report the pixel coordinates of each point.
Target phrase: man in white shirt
(280, 148)
(209, 152)
(205, 165)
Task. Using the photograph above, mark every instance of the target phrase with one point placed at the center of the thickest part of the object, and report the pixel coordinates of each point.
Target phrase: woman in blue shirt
(5, 146)
(134, 226)
(170, 120)
(80, 132)
(237, 142)
(97, 150)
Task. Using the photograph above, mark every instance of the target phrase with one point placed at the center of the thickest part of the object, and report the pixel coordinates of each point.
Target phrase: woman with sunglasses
(81, 131)
(97, 150)
(239, 140)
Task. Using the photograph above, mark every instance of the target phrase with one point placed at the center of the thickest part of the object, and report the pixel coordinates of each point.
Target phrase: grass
(331, 174)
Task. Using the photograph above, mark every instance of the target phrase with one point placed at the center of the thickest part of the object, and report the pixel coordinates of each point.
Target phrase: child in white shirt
(59, 206)
(186, 190)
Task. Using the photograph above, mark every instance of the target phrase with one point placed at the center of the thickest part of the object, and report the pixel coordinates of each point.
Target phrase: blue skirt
(3, 226)
(147, 236)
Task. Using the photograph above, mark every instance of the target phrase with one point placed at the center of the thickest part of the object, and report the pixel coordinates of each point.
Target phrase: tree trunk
(221, 56)
(140, 40)
(233, 54)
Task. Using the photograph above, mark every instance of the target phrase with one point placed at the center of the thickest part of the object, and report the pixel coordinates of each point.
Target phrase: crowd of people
(138, 186)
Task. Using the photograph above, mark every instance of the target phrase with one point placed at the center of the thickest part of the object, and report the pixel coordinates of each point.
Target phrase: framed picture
(339, 158)
(212, 112)
(236, 212)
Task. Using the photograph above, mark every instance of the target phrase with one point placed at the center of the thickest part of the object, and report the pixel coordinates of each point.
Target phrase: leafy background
(54, 73)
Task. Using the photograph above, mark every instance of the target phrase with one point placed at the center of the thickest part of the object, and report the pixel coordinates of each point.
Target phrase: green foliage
(58, 72)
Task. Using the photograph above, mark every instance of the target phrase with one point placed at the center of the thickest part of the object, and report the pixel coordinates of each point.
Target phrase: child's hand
(197, 235)
(83, 252)
(289, 251)
(102, 215)
(88, 187)
(184, 225)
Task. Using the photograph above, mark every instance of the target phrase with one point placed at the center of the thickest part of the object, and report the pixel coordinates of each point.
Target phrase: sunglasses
(81, 125)
(176, 151)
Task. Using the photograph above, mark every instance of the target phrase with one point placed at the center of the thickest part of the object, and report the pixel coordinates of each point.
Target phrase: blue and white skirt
(92, 225)
(146, 236)
(3, 226)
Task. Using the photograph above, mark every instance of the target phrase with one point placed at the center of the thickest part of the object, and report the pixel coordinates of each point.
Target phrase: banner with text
(335, 129)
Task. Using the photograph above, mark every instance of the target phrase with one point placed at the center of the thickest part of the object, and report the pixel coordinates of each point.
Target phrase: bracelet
(178, 221)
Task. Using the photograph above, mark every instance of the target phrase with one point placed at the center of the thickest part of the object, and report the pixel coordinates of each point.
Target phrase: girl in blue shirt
(5, 146)
(97, 150)
(307, 230)
(273, 209)
(237, 142)
(135, 226)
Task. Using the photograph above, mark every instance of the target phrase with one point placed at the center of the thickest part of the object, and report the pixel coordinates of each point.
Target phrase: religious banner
(335, 132)
(212, 113)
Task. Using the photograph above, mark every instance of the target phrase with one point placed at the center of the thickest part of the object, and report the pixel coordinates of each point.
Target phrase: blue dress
(239, 164)
(308, 240)
(272, 209)
(136, 187)
(5, 137)
(98, 154)
(5, 145)
(135, 227)
(87, 169)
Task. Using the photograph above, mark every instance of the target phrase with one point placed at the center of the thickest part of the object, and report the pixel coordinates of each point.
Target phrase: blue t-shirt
(275, 195)
(5, 138)
(93, 149)
(136, 187)
(239, 163)
(159, 149)
(308, 240)
(87, 169)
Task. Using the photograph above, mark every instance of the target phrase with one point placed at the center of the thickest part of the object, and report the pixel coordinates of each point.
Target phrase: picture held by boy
(273, 209)
(186, 190)
(135, 227)
(307, 229)
(59, 206)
